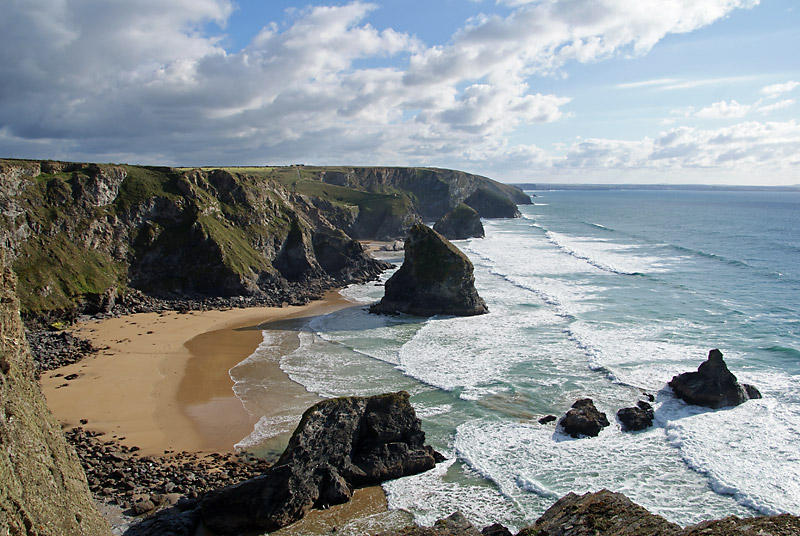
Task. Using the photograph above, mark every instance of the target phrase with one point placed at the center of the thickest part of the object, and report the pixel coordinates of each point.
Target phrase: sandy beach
(160, 381)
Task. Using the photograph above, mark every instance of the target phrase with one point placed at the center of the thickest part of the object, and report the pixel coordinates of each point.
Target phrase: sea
(605, 294)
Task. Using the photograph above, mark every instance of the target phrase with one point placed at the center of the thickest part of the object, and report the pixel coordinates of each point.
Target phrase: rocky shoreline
(117, 475)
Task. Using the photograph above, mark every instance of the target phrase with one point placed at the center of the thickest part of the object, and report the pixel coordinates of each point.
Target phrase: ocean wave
(601, 259)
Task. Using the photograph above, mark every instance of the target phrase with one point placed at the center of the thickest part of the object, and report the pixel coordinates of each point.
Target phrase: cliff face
(434, 192)
(43, 489)
(79, 234)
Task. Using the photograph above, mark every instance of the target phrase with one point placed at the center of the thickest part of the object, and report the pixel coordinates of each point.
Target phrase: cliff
(43, 489)
(81, 236)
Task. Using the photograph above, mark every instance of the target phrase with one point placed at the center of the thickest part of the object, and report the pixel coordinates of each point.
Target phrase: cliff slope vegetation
(80, 235)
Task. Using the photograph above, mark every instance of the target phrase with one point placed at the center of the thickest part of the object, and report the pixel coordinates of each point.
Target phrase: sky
(572, 91)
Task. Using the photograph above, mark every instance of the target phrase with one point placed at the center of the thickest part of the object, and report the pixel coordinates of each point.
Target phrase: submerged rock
(460, 223)
(584, 419)
(435, 278)
(340, 444)
(636, 418)
(713, 385)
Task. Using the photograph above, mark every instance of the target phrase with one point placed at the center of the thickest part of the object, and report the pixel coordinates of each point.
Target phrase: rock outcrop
(713, 385)
(435, 278)
(490, 204)
(599, 514)
(584, 419)
(636, 418)
(460, 223)
(43, 489)
(340, 444)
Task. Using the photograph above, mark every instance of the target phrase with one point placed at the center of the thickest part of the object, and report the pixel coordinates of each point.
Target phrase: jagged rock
(547, 419)
(460, 223)
(340, 444)
(636, 418)
(490, 204)
(435, 278)
(780, 525)
(602, 513)
(713, 385)
(44, 489)
(584, 419)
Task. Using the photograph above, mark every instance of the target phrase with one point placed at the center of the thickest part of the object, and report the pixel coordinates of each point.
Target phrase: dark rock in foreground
(340, 444)
(435, 278)
(636, 418)
(712, 386)
(460, 223)
(600, 513)
(584, 419)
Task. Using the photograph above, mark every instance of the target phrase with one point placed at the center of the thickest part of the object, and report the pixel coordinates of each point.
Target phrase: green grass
(54, 271)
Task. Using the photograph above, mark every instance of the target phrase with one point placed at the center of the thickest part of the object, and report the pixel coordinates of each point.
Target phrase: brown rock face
(599, 514)
(712, 386)
(43, 488)
(436, 278)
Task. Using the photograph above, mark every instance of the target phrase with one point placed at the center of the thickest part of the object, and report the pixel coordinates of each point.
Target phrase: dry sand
(161, 380)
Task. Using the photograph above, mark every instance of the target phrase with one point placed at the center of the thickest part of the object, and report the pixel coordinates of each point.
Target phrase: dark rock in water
(491, 204)
(547, 419)
(435, 278)
(713, 385)
(340, 444)
(602, 513)
(636, 418)
(583, 419)
(460, 223)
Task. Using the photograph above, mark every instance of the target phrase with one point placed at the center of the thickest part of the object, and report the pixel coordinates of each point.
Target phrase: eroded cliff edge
(43, 489)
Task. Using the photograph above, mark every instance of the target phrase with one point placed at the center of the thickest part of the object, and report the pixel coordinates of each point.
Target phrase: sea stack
(435, 278)
(713, 385)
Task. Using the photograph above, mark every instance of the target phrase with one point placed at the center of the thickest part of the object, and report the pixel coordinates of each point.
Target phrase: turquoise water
(605, 294)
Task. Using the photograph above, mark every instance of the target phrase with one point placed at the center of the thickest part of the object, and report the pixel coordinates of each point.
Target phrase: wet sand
(161, 379)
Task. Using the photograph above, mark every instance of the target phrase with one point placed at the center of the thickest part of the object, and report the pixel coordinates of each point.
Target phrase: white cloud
(724, 110)
(144, 81)
(775, 90)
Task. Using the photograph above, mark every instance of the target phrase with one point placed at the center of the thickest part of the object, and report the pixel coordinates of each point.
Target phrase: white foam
(750, 451)
(531, 466)
(436, 494)
(267, 428)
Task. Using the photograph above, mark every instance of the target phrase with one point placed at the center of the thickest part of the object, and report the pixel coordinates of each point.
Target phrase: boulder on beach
(713, 385)
(460, 223)
(636, 418)
(340, 444)
(435, 278)
(584, 419)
